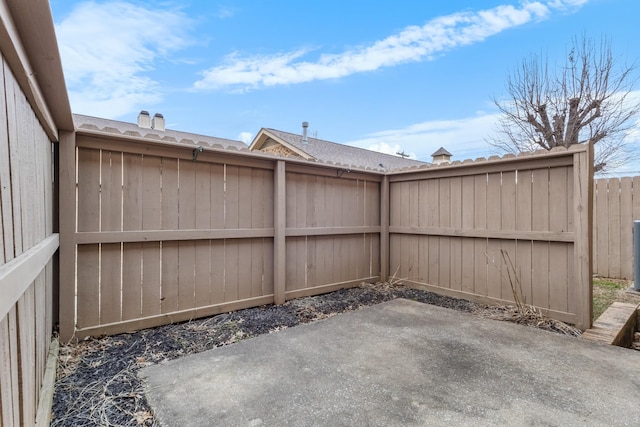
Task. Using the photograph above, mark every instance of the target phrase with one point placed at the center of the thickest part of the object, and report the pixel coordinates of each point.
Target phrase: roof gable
(327, 151)
(267, 135)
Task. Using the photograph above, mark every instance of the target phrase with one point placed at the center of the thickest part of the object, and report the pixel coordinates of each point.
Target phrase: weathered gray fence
(28, 240)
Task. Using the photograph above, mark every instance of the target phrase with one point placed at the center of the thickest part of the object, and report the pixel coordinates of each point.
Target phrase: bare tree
(586, 100)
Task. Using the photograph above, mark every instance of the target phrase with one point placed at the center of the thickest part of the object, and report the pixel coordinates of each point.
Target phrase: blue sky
(386, 75)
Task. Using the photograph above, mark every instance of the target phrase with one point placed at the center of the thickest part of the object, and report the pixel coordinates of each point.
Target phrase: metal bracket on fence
(341, 172)
(197, 151)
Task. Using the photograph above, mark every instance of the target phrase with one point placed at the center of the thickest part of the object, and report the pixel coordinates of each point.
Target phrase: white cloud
(245, 137)
(465, 138)
(412, 44)
(107, 49)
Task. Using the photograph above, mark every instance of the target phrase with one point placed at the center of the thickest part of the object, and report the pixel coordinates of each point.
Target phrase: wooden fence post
(279, 239)
(67, 208)
(583, 223)
(384, 229)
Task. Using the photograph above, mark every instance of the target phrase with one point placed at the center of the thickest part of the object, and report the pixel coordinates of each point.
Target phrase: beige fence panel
(161, 238)
(27, 245)
(333, 229)
(480, 230)
(615, 210)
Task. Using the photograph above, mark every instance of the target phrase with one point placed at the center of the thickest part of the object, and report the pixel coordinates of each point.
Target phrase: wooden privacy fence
(480, 229)
(27, 246)
(150, 236)
(161, 238)
(616, 206)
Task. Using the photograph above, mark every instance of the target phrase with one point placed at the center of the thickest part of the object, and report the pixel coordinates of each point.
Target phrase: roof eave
(36, 39)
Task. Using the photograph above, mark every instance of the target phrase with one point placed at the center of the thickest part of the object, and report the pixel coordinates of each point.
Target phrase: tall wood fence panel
(157, 237)
(616, 206)
(480, 230)
(333, 232)
(27, 245)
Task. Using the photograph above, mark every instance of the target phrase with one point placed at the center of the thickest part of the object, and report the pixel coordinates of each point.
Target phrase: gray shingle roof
(442, 152)
(327, 151)
(113, 126)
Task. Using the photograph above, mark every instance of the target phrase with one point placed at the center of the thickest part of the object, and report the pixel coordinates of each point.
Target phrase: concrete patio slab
(401, 363)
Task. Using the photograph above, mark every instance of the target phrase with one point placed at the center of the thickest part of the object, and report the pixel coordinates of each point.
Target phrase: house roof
(327, 151)
(132, 129)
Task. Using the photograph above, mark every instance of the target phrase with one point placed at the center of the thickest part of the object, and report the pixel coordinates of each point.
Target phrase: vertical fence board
(111, 191)
(132, 287)
(626, 226)
(26, 335)
(217, 282)
(602, 229)
(186, 275)
(88, 190)
(169, 275)
(231, 197)
(132, 192)
(202, 196)
(444, 276)
(614, 228)
(152, 193)
(231, 270)
(480, 245)
(456, 243)
(256, 258)
(169, 197)
(110, 283)
(494, 222)
(217, 195)
(245, 197)
(202, 271)
(559, 265)
(468, 249)
(88, 301)
(540, 274)
(151, 286)
(244, 268)
(8, 385)
(152, 211)
(42, 334)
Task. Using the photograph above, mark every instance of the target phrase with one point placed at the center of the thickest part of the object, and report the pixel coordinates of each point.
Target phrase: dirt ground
(97, 381)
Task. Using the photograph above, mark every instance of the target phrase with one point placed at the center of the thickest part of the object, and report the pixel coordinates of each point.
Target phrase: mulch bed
(97, 381)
